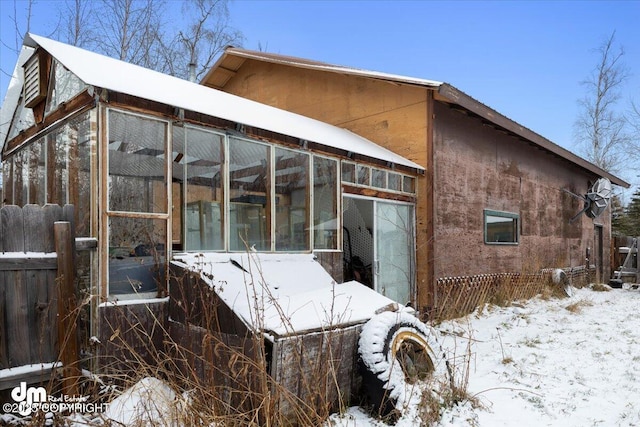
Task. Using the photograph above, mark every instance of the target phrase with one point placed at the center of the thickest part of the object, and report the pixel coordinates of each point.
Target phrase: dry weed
(600, 287)
(577, 306)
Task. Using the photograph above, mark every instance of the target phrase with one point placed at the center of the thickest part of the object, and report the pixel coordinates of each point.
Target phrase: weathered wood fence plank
(67, 332)
(28, 287)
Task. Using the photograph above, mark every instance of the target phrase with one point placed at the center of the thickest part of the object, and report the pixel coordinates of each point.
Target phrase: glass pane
(65, 85)
(137, 164)
(395, 251)
(202, 163)
(409, 184)
(292, 200)
(501, 229)
(7, 180)
(57, 150)
(79, 133)
(325, 203)
(36, 172)
(249, 198)
(136, 255)
(20, 169)
(394, 182)
(22, 119)
(204, 226)
(363, 174)
(348, 172)
(378, 178)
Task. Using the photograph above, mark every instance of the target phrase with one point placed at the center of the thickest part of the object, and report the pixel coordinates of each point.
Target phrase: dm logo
(26, 397)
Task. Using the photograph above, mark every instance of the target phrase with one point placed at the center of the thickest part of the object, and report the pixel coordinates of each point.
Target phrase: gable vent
(35, 89)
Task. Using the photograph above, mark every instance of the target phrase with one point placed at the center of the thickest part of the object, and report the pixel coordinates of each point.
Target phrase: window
(360, 175)
(198, 161)
(36, 172)
(409, 184)
(500, 227)
(249, 200)
(378, 178)
(65, 85)
(348, 172)
(137, 165)
(394, 182)
(136, 255)
(137, 206)
(363, 173)
(292, 197)
(325, 203)
(55, 169)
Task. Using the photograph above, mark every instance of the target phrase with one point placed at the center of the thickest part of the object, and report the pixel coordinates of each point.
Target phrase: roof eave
(312, 65)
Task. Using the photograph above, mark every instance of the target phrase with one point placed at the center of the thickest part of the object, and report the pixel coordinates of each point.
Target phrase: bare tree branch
(140, 32)
(601, 129)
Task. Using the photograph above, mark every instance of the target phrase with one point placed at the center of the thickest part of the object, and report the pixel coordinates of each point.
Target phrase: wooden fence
(37, 275)
(459, 296)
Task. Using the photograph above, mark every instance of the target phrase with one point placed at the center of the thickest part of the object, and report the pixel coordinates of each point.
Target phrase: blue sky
(525, 59)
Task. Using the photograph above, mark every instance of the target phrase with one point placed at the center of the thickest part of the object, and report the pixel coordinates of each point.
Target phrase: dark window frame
(515, 227)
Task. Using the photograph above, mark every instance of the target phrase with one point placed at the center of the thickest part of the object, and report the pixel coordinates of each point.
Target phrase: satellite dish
(596, 200)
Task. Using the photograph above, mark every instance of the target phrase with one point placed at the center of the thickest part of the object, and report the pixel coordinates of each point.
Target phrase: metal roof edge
(462, 99)
(320, 66)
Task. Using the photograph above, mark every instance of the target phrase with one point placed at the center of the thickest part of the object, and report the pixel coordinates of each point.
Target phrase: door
(598, 253)
(394, 258)
(379, 245)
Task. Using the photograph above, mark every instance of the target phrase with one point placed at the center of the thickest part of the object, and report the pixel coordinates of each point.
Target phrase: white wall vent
(35, 87)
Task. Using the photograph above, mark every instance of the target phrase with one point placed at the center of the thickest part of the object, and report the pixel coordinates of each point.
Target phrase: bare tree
(77, 23)
(633, 118)
(18, 29)
(601, 128)
(129, 30)
(206, 35)
(141, 32)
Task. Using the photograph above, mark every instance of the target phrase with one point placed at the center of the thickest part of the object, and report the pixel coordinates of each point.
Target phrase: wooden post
(67, 314)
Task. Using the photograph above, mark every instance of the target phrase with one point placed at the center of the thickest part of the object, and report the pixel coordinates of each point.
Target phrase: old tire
(397, 351)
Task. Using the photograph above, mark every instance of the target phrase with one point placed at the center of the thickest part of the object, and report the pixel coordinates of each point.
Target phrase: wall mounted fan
(596, 200)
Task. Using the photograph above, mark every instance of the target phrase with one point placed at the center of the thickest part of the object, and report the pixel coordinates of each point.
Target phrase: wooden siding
(332, 262)
(392, 116)
(319, 368)
(131, 336)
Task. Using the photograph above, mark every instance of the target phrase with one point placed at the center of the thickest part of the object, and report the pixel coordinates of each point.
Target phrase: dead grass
(576, 307)
(600, 287)
(223, 377)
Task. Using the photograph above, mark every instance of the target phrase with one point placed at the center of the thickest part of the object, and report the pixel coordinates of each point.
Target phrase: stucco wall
(476, 168)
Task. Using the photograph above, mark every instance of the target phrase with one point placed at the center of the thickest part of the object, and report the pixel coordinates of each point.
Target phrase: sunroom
(157, 166)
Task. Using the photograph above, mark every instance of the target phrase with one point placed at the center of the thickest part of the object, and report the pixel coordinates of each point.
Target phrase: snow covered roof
(112, 74)
(283, 293)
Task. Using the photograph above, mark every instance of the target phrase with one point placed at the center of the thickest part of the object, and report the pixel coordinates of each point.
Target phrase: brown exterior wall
(477, 168)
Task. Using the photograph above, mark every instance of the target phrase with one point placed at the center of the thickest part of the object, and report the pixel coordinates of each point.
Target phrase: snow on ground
(558, 362)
